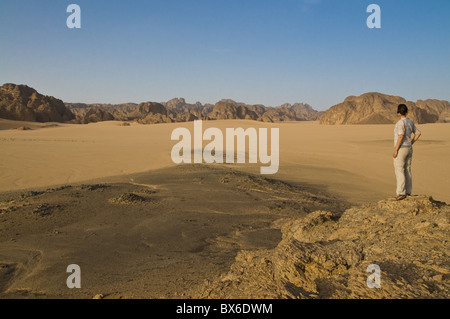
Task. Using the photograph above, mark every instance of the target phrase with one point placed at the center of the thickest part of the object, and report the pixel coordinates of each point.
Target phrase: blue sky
(254, 51)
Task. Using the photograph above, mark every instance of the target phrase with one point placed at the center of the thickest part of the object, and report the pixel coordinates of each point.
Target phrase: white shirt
(405, 127)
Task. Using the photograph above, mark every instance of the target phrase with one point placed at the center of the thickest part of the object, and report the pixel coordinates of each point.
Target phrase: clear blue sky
(254, 51)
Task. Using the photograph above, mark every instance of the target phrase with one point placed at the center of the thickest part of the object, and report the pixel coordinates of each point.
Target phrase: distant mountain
(93, 116)
(119, 112)
(303, 112)
(180, 106)
(151, 113)
(377, 108)
(20, 102)
(279, 114)
(439, 108)
(178, 110)
(229, 109)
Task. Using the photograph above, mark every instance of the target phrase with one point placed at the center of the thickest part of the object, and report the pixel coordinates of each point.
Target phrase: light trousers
(402, 165)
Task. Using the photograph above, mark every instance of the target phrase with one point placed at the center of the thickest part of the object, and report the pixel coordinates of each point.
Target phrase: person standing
(403, 152)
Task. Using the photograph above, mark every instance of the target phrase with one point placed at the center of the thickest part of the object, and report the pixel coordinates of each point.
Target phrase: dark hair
(402, 109)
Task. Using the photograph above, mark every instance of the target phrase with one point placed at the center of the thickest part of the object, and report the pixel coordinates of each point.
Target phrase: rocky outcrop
(180, 106)
(151, 113)
(258, 109)
(377, 108)
(178, 110)
(441, 109)
(280, 114)
(327, 255)
(303, 112)
(22, 103)
(229, 109)
(369, 108)
(188, 117)
(94, 116)
(120, 112)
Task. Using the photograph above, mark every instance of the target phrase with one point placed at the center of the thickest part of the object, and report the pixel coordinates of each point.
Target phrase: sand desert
(353, 161)
(107, 197)
(192, 153)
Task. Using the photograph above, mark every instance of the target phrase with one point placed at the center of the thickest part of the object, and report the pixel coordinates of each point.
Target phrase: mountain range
(178, 110)
(20, 102)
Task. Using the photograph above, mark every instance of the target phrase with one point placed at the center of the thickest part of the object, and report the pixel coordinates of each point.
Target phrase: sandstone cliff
(229, 109)
(94, 116)
(151, 113)
(303, 112)
(178, 110)
(280, 114)
(377, 108)
(440, 109)
(120, 112)
(22, 103)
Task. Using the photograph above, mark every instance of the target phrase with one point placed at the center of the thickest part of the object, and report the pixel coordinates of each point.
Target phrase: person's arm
(399, 143)
(417, 135)
(416, 138)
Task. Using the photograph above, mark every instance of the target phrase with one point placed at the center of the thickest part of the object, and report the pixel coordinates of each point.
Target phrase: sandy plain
(109, 198)
(354, 161)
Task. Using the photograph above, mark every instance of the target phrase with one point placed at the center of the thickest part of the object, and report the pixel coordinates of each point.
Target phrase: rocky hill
(303, 112)
(326, 255)
(151, 113)
(377, 108)
(441, 109)
(178, 110)
(20, 102)
(119, 112)
(93, 115)
(229, 109)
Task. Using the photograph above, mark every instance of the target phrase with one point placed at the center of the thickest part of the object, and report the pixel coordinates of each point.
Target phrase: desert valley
(95, 185)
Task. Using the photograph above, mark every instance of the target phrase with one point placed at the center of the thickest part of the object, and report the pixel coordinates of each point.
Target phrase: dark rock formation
(303, 112)
(22, 103)
(120, 112)
(95, 115)
(151, 113)
(279, 114)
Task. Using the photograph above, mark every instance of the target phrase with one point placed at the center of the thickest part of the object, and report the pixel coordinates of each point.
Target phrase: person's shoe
(400, 197)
